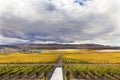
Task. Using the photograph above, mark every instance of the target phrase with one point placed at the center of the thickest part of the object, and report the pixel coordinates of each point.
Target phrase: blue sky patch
(81, 2)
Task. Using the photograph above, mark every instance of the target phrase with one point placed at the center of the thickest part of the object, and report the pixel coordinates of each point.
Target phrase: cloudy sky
(60, 21)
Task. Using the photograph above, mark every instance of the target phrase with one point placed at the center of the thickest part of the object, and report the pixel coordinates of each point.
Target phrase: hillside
(55, 46)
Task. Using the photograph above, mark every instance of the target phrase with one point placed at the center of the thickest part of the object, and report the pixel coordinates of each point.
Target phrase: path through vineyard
(58, 72)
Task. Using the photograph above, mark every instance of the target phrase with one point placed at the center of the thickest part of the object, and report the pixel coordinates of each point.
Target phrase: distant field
(28, 58)
(106, 58)
(68, 56)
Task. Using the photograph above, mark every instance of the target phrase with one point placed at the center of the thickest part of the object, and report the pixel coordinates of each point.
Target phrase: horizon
(60, 22)
(57, 44)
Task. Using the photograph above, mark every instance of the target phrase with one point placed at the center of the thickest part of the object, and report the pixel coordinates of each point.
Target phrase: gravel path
(57, 74)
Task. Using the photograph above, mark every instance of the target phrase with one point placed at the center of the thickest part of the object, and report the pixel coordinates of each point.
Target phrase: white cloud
(6, 40)
(60, 21)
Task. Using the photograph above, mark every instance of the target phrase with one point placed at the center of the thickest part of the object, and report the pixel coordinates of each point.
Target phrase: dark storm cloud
(83, 28)
(50, 7)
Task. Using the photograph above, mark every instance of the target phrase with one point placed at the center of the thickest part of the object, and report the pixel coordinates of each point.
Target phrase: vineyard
(76, 64)
(25, 72)
(101, 58)
(92, 72)
(28, 58)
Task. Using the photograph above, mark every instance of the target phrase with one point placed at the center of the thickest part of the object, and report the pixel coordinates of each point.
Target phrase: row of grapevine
(28, 58)
(25, 72)
(101, 58)
(74, 61)
(92, 72)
